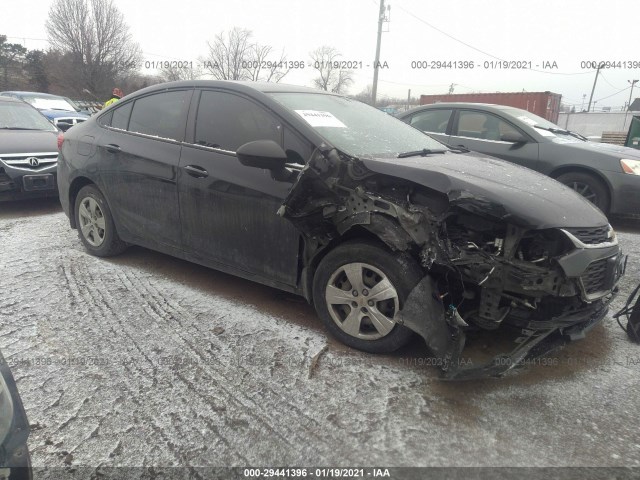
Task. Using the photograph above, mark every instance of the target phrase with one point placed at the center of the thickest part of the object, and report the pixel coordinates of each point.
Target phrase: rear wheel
(95, 224)
(357, 290)
(589, 186)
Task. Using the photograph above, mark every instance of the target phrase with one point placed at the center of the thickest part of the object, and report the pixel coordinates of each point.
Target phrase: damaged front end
(484, 264)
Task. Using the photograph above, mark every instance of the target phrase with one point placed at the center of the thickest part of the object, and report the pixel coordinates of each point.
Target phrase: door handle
(113, 148)
(196, 171)
(460, 145)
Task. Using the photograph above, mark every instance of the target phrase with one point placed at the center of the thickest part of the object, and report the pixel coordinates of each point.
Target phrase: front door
(228, 211)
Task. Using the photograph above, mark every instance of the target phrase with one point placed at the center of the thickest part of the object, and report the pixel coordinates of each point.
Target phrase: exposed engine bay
(484, 266)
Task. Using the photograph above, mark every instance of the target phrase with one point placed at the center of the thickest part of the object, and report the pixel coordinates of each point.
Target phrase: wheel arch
(582, 169)
(356, 234)
(76, 185)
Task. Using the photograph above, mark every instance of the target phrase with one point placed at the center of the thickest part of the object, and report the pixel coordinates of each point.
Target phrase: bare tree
(326, 60)
(233, 56)
(228, 54)
(365, 95)
(261, 67)
(94, 34)
(171, 72)
(12, 56)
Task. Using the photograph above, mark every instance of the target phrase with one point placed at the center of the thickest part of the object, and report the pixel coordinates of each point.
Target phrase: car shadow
(627, 224)
(29, 208)
(481, 346)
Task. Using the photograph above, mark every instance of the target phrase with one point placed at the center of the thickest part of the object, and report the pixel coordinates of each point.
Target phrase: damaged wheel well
(356, 234)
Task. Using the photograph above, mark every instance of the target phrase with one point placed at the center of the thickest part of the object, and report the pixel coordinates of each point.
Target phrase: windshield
(48, 103)
(545, 127)
(18, 116)
(354, 127)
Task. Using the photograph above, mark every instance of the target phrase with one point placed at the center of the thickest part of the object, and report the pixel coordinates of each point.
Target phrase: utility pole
(594, 85)
(584, 96)
(409, 100)
(381, 19)
(632, 82)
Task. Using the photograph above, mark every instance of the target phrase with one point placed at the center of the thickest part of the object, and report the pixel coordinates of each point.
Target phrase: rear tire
(95, 224)
(589, 186)
(382, 281)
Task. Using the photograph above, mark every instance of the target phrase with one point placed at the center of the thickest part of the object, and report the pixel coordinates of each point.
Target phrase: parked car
(385, 230)
(15, 462)
(607, 175)
(61, 111)
(28, 152)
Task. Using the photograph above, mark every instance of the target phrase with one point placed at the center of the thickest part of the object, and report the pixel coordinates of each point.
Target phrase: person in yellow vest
(115, 96)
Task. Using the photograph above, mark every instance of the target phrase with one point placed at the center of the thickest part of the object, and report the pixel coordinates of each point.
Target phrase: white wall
(594, 123)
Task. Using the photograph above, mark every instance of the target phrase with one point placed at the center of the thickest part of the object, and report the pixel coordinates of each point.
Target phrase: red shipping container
(544, 104)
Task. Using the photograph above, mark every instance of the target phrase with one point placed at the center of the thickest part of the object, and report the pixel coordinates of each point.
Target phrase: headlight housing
(631, 167)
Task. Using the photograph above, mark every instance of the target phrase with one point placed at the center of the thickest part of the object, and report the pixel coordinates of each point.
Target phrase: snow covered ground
(148, 360)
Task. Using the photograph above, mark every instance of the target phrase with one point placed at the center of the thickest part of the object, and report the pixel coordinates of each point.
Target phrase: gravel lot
(148, 360)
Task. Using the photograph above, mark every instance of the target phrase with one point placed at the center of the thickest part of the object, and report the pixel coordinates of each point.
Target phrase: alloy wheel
(585, 190)
(92, 222)
(362, 301)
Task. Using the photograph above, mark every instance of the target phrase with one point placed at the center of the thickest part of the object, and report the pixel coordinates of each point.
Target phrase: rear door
(139, 153)
(482, 132)
(228, 211)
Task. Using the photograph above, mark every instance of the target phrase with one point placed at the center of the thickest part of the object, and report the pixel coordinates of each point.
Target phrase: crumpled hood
(486, 185)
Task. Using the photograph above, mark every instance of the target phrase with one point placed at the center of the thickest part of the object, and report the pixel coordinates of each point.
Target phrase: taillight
(60, 140)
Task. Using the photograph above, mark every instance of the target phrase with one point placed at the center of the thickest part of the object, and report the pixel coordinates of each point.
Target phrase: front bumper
(20, 183)
(625, 193)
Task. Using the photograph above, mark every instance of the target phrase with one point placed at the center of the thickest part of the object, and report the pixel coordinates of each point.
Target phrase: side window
(297, 149)
(435, 121)
(105, 120)
(161, 115)
(227, 121)
(483, 125)
(121, 116)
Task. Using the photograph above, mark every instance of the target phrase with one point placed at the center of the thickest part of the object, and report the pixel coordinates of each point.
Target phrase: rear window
(161, 115)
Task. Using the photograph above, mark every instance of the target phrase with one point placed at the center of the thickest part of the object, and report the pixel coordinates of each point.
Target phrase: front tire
(357, 290)
(590, 187)
(95, 224)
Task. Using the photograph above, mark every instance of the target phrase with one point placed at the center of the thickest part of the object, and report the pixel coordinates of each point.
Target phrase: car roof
(241, 86)
(39, 94)
(481, 106)
(10, 99)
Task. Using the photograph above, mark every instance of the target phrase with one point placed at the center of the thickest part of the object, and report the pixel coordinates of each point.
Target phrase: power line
(482, 51)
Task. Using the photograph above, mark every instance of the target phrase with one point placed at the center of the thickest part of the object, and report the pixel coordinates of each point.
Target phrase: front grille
(595, 277)
(591, 236)
(29, 161)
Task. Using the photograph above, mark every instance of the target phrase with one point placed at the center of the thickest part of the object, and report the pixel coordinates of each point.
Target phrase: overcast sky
(566, 32)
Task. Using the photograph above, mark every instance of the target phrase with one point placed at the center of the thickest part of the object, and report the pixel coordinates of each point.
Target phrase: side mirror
(514, 137)
(262, 154)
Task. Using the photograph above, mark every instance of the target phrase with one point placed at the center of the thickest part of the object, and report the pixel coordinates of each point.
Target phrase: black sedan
(28, 152)
(607, 175)
(386, 231)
